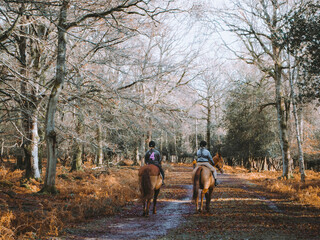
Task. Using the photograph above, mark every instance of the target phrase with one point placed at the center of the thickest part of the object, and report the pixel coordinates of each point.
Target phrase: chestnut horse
(202, 179)
(150, 182)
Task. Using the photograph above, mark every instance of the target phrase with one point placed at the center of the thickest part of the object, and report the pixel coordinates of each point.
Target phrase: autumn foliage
(307, 193)
(26, 214)
(96, 192)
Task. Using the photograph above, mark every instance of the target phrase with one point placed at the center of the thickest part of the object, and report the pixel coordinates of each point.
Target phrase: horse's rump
(202, 179)
(196, 182)
(197, 176)
(148, 175)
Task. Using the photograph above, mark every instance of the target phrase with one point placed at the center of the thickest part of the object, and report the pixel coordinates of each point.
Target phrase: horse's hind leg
(208, 199)
(201, 202)
(156, 193)
(148, 206)
(144, 208)
(197, 203)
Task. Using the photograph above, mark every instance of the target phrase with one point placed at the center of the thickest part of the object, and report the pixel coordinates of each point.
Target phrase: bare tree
(27, 61)
(259, 26)
(210, 88)
(66, 22)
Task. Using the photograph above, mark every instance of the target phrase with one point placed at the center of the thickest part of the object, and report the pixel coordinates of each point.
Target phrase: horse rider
(152, 156)
(205, 159)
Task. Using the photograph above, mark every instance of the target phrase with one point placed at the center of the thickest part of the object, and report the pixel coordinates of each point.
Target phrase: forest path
(239, 210)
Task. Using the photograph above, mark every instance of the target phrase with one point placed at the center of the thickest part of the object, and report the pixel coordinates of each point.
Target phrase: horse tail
(196, 183)
(146, 191)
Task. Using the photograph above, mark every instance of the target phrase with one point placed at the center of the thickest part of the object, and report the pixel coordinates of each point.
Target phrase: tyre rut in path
(169, 216)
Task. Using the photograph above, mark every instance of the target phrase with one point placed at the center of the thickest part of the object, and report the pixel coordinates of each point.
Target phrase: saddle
(154, 170)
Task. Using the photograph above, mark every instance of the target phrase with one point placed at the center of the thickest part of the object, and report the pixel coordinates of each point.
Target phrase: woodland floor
(240, 209)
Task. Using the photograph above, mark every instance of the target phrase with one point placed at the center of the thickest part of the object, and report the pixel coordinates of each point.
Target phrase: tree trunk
(166, 144)
(77, 156)
(100, 145)
(142, 149)
(34, 108)
(31, 143)
(196, 135)
(22, 42)
(149, 133)
(51, 138)
(265, 164)
(283, 132)
(1, 150)
(35, 146)
(175, 145)
(280, 104)
(136, 156)
(161, 142)
(29, 111)
(296, 121)
(208, 124)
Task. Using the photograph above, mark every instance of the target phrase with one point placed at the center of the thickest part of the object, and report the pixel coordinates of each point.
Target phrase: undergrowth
(26, 214)
(307, 193)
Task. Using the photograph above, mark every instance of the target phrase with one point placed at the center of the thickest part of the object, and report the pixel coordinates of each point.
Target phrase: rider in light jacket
(205, 159)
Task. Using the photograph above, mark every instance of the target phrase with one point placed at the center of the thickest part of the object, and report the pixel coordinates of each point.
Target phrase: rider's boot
(216, 183)
(162, 181)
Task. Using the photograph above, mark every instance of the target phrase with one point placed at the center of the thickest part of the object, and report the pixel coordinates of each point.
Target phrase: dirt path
(240, 210)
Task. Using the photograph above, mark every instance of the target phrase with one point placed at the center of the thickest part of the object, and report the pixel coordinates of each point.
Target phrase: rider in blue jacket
(204, 158)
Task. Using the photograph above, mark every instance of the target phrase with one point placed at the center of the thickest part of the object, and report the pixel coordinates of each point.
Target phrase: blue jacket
(204, 156)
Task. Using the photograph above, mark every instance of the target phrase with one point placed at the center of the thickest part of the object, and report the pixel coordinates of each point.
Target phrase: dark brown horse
(202, 179)
(150, 182)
